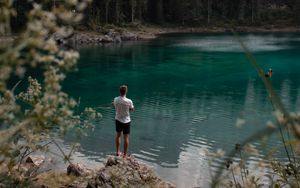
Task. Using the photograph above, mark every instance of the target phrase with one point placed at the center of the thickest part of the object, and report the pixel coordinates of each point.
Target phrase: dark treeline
(193, 12)
(183, 12)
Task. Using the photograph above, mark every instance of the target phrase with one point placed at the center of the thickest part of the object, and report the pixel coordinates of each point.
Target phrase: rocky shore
(84, 37)
(120, 35)
(102, 35)
(118, 172)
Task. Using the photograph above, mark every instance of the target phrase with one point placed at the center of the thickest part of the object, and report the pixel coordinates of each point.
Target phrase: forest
(196, 13)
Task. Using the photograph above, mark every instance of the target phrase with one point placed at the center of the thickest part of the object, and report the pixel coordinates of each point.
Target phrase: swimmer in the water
(269, 73)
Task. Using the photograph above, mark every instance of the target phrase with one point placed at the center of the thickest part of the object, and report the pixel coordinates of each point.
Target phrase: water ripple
(144, 157)
(187, 99)
(230, 43)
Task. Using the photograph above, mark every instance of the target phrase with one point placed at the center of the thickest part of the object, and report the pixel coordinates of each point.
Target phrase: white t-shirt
(123, 105)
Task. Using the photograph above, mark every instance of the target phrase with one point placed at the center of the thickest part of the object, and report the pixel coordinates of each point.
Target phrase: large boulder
(37, 160)
(120, 172)
(32, 165)
(78, 170)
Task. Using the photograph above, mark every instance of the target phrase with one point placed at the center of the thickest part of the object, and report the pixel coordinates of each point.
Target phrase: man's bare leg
(126, 143)
(118, 142)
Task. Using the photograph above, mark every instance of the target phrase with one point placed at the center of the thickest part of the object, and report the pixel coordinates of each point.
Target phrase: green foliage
(49, 112)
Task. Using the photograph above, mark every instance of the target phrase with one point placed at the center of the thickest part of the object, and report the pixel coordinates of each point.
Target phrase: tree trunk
(133, 6)
(208, 11)
(224, 9)
(118, 11)
(242, 7)
(160, 11)
(252, 11)
(140, 9)
(259, 8)
(197, 10)
(107, 2)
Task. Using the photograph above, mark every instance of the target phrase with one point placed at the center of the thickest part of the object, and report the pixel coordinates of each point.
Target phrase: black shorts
(125, 127)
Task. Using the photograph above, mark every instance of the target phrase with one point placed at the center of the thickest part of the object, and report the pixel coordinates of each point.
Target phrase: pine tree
(107, 3)
(242, 9)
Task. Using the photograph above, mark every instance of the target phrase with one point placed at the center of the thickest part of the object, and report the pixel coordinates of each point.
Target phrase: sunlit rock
(120, 172)
(36, 160)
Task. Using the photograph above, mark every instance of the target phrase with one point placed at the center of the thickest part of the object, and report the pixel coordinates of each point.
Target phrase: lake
(189, 91)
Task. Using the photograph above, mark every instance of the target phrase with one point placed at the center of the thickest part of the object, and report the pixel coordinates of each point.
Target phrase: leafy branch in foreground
(43, 111)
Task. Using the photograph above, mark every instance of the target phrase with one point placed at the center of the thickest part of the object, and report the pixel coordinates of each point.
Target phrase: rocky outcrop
(31, 165)
(111, 36)
(119, 172)
(37, 160)
(91, 38)
(78, 170)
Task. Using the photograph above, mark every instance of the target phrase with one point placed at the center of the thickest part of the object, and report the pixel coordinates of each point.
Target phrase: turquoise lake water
(188, 91)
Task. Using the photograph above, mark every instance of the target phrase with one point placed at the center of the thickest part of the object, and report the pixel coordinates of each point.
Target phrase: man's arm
(114, 103)
(131, 108)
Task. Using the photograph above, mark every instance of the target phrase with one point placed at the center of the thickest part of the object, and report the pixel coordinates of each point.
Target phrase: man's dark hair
(123, 90)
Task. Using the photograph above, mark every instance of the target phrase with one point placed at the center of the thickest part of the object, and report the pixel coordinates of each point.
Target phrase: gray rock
(112, 161)
(112, 34)
(107, 39)
(76, 170)
(115, 36)
(37, 160)
(120, 172)
(128, 36)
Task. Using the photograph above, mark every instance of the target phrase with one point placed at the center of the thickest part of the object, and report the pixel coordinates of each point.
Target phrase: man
(269, 73)
(123, 107)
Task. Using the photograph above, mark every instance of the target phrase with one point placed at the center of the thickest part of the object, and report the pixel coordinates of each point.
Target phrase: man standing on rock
(123, 107)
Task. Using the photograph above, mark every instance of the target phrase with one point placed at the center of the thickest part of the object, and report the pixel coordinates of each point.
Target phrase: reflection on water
(254, 43)
(188, 96)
